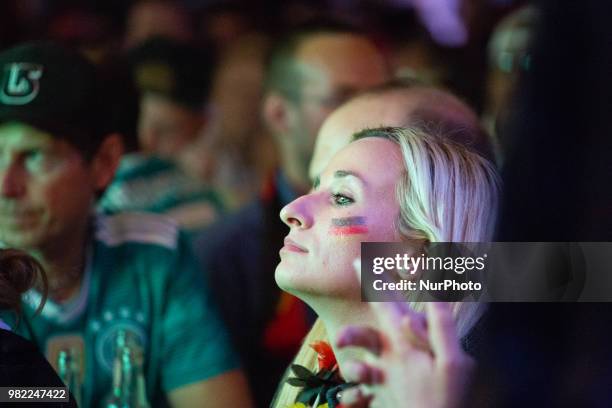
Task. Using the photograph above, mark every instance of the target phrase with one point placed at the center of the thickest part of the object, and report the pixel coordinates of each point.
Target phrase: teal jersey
(148, 183)
(141, 278)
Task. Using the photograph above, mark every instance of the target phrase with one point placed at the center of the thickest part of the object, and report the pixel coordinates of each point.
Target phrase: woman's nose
(296, 214)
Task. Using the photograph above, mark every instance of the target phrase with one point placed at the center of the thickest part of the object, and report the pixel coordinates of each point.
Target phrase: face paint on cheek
(348, 226)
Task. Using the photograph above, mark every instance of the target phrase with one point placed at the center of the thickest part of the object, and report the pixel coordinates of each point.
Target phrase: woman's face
(353, 201)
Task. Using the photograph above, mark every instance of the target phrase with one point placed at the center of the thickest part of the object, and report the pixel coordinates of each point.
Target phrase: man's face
(333, 67)
(368, 111)
(165, 128)
(46, 188)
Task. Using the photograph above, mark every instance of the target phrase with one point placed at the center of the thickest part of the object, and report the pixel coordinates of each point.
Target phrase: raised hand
(414, 360)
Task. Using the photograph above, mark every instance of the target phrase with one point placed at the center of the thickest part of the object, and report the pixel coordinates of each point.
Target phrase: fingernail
(353, 371)
(350, 396)
(341, 340)
(345, 336)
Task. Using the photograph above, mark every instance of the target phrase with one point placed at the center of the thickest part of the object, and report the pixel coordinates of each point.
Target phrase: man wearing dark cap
(129, 274)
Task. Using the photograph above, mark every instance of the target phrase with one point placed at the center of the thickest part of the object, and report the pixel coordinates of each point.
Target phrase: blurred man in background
(174, 82)
(402, 104)
(509, 57)
(242, 150)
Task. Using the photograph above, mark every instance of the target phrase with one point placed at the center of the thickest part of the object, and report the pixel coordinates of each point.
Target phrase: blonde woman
(389, 185)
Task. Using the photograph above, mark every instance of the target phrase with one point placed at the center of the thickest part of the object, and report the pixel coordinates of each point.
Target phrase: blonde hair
(447, 193)
(287, 394)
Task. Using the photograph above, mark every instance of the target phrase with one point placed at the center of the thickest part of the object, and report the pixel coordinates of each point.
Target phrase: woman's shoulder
(22, 364)
(11, 343)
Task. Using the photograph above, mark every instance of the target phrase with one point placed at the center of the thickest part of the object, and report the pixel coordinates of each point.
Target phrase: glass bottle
(128, 384)
(140, 392)
(69, 371)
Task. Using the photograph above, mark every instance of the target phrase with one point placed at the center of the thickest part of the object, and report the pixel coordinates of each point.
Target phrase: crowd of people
(185, 190)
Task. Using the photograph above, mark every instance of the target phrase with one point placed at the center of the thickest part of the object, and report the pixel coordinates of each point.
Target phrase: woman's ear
(106, 160)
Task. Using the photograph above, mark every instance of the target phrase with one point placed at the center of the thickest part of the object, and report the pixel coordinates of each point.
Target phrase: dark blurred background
(114, 25)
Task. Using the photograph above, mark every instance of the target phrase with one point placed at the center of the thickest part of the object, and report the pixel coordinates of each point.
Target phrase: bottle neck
(127, 367)
(69, 371)
(129, 385)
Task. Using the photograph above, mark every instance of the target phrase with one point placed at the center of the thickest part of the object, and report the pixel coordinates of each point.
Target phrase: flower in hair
(325, 355)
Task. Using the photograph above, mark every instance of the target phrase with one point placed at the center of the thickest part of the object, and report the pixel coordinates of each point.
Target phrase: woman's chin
(285, 277)
(294, 281)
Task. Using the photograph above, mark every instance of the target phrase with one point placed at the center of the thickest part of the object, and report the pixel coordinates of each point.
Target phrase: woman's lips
(292, 246)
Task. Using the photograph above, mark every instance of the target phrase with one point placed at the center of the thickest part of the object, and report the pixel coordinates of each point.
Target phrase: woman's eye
(341, 199)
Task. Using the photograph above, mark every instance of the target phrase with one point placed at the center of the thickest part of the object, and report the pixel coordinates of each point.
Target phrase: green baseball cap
(54, 89)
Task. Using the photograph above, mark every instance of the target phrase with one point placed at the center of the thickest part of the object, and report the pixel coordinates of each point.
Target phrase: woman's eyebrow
(337, 174)
(347, 173)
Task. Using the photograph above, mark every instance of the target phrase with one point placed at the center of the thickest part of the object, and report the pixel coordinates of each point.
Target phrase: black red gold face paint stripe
(348, 226)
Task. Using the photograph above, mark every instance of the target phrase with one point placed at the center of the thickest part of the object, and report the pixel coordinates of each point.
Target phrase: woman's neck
(345, 314)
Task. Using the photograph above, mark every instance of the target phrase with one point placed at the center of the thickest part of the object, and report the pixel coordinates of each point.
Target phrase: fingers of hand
(414, 327)
(363, 373)
(389, 315)
(364, 337)
(404, 327)
(443, 335)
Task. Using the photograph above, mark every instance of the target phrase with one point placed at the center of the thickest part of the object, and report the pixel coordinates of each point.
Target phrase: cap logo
(21, 83)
